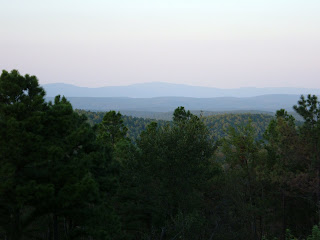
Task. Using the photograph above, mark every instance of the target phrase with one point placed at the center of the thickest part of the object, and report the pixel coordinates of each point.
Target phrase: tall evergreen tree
(49, 188)
(243, 189)
(286, 173)
(309, 109)
(22, 110)
(163, 192)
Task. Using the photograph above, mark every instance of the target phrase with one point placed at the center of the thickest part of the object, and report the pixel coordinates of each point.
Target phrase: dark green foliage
(112, 129)
(70, 151)
(284, 171)
(217, 124)
(167, 181)
(21, 124)
(134, 125)
(291, 169)
(315, 233)
(68, 174)
(48, 187)
(242, 198)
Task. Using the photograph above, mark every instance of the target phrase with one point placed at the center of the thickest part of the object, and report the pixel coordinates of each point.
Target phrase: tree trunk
(284, 217)
(318, 180)
(163, 233)
(16, 228)
(55, 227)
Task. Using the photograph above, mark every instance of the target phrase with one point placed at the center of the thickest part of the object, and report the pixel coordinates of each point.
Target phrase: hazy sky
(217, 43)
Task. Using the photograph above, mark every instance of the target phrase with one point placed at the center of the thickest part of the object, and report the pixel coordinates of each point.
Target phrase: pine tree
(22, 109)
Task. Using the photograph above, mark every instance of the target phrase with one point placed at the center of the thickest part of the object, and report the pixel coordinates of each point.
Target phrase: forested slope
(218, 124)
(62, 178)
(268, 103)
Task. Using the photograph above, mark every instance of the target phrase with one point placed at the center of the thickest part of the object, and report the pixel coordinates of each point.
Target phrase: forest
(217, 124)
(71, 174)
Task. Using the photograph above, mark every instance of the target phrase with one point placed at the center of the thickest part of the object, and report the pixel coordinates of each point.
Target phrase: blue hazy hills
(164, 97)
(162, 89)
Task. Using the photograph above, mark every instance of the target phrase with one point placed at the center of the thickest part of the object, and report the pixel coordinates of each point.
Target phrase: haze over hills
(150, 99)
(269, 103)
(162, 89)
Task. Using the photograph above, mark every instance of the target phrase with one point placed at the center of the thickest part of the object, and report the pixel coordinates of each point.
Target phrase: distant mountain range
(269, 103)
(150, 99)
(161, 89)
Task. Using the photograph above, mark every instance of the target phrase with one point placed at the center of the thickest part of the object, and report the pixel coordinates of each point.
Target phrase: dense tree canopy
(46, 157)
(218, 124)
(67, 174)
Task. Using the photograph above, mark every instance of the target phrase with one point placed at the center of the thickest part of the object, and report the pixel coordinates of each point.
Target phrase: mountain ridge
(163, 89)
(269, 103)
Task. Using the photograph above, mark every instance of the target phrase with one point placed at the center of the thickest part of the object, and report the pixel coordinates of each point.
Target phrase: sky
(214, 43)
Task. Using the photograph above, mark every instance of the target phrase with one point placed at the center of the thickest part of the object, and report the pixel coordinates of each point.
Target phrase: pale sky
(216, 43)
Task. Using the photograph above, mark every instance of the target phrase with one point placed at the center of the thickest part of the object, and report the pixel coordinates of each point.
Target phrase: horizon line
(181, 84)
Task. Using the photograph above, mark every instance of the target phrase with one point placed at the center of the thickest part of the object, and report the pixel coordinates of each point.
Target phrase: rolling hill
(161, 89)
(269, 103)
